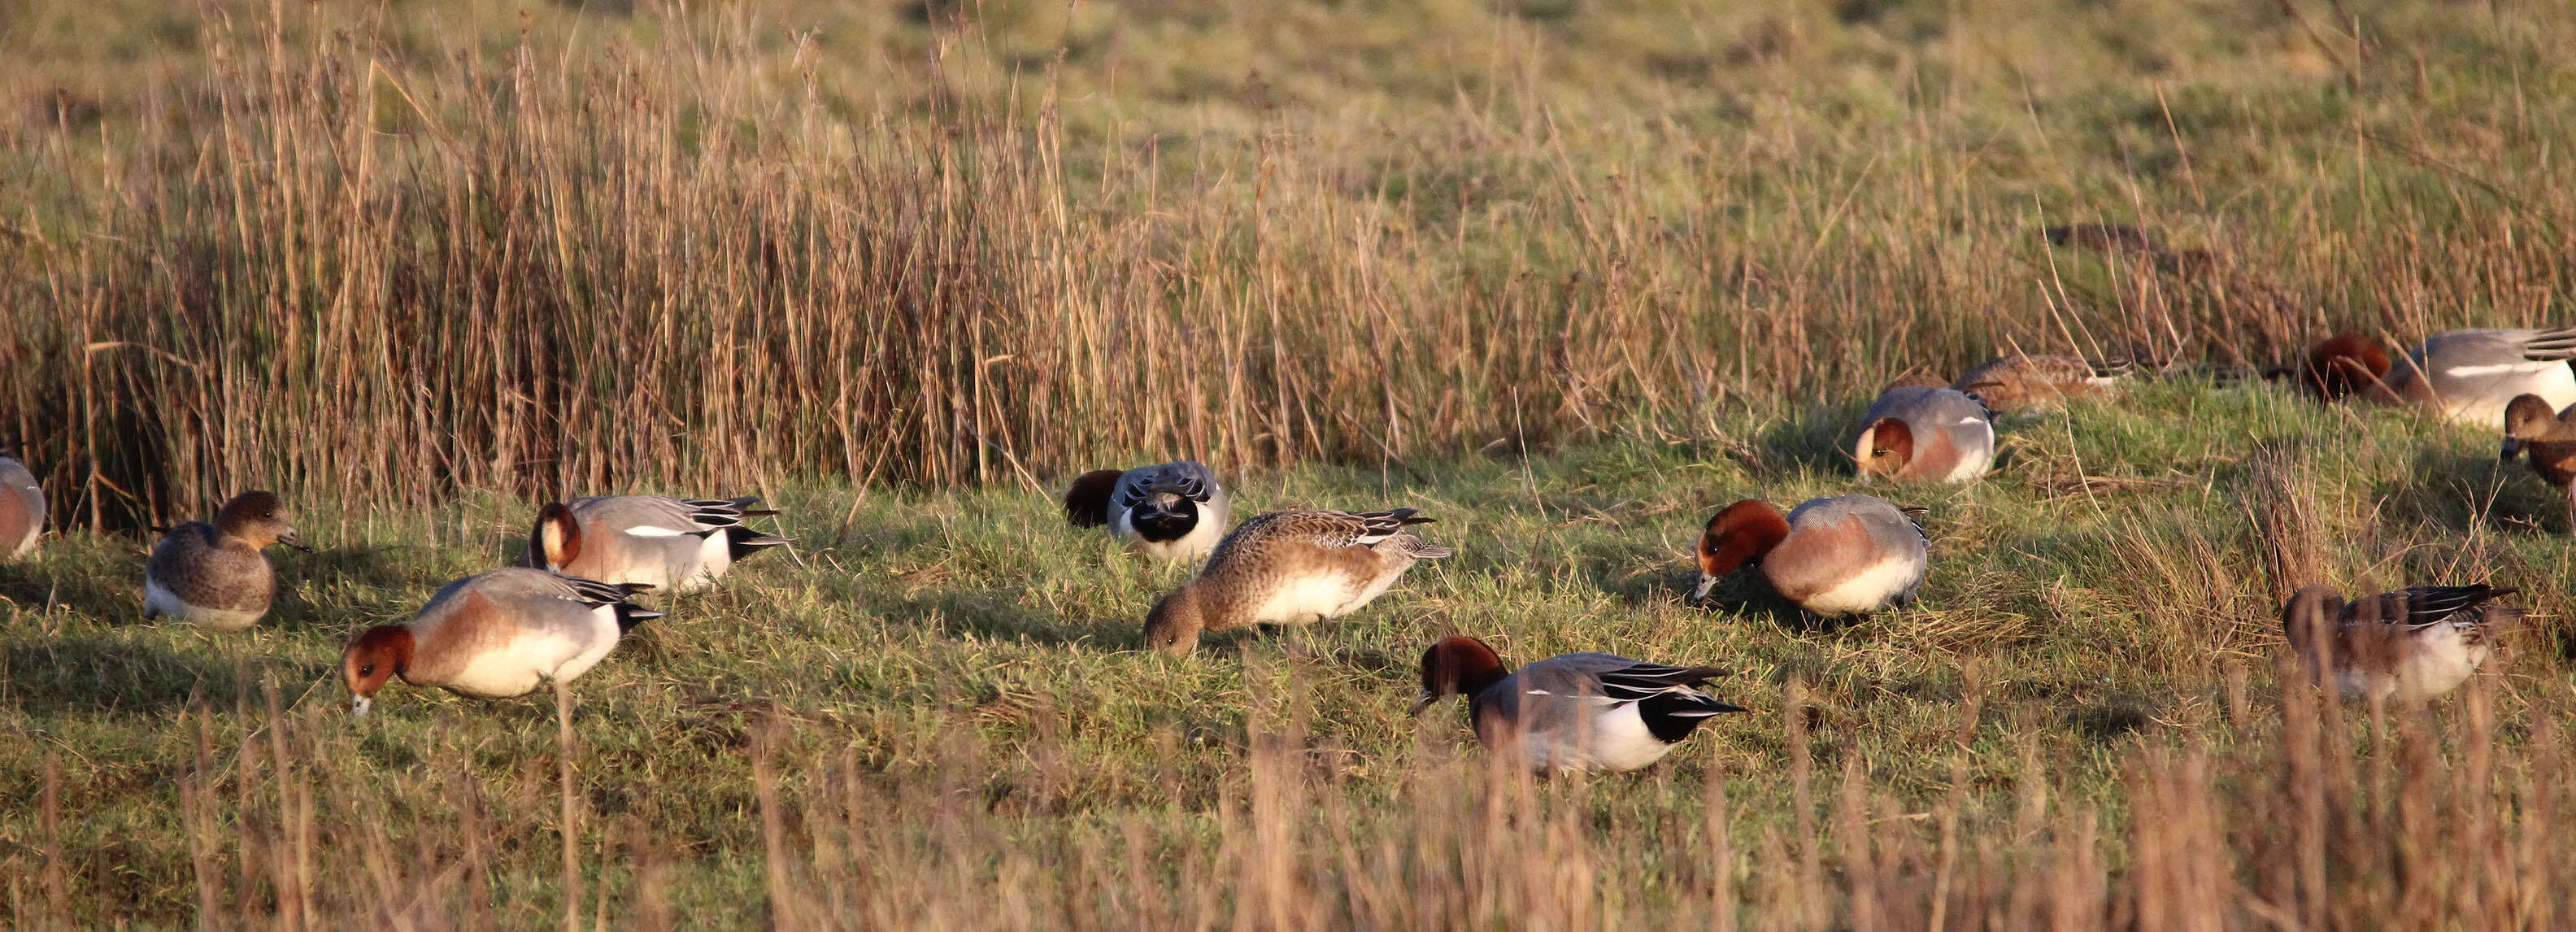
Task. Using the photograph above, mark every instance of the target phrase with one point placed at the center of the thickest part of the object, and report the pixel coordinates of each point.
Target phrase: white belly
(529, 660)
(157, 600)
(1869, 590)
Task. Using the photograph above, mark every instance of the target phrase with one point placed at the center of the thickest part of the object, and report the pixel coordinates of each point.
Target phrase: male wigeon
(1831, 556)
(215, 575)
(22, 509)
(1571, 712)
(1290, 567)
(671, 544)
(2404, 646)
(2467, 376)
(2014, 383)
(2531, 426)
(1920, 434)
(499, 634)
(1175, 511)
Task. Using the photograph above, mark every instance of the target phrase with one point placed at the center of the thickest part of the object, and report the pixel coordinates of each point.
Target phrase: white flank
(169, 604)
(1616, 740)
(528, 660)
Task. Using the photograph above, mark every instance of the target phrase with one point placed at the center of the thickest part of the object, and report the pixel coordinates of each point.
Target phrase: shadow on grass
(1744, 596)
(41, 584)
(2443, 488)
(102, 674)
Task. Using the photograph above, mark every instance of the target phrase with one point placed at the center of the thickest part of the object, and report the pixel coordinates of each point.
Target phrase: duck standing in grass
(1830, 556)
(2405, 646)
(1291, 567)
(216, 575)
(1175, 511)
(495, 635)
(2466, 376)
(670, 544)
(1571, 712)
(1915, 433)
(22, 509)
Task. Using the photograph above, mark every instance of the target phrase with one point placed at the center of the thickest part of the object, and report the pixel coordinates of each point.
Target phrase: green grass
(970, 668)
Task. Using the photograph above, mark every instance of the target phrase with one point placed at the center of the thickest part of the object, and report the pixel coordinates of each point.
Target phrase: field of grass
(1566, 275)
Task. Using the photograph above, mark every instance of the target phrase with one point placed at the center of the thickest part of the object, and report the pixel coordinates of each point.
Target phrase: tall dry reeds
(317, 257)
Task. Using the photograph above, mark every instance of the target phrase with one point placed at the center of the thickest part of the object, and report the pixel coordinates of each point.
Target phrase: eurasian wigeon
(2467, 376)
(215, 575)
(1831, 556)
(670, 544)
(499, 634)
(1919, 434)
(1571, 712)
(22, 509)
(2404, 646)
(2014, 383)
(1176, 511)
(1290, 567)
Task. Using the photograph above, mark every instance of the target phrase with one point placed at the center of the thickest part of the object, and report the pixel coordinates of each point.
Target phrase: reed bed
(341, 250)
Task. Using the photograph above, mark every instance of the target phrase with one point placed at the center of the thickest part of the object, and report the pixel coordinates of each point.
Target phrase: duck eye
(367, 670)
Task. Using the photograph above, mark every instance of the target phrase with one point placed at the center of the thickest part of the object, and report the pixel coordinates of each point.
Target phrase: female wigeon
(500, 634)
(2013, 383)
(1571, 712)
(2468, 376)
(2404, 646)
(2549, 435)
(22, 509)
(670, 544)
(1830, 556)
(1175, 511)
(1290, 567)
(214, 575)
(1919, 434)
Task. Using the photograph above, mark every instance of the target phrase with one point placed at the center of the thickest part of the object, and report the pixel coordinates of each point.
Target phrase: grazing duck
(2014, 383)
(1830, 556)
(499, 634)
(1919, 434)
(1290, 567)
(2405, 646)
(2532, 426)
(670, 544)
(1175, 511)
(1571, 712)
(214, 575)
(2467, 376)
(22, 509)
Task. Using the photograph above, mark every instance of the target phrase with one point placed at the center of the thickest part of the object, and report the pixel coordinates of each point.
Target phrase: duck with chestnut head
(1830, 556)
(1916, 433)
(2466, 376)
(679, 545)
(495, 635)
(1571, 712)
(2405, 646)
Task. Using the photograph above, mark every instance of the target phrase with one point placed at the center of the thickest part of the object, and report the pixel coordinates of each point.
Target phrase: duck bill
(1699, 593)
(2512, 448)
(1423, 702)
(295, 540)
(359, 705)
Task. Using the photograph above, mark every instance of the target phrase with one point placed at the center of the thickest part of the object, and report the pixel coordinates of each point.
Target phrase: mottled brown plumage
(214, 575)
(1290, 567)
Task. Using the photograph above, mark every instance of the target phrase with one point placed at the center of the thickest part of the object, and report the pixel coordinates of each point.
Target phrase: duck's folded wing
(1188, 479)
(1638, 681)
(2426, 605)
(2557, 343)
